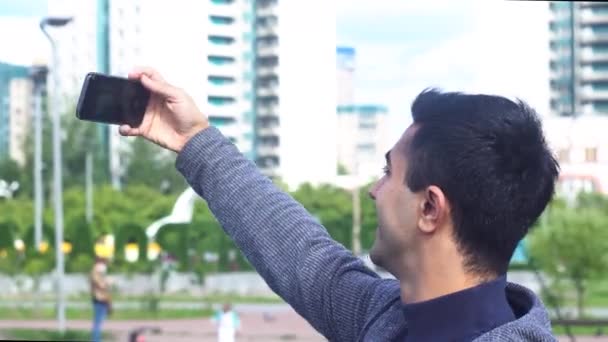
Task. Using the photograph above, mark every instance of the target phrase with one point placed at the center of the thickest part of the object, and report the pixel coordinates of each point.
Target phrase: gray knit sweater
(323, 281)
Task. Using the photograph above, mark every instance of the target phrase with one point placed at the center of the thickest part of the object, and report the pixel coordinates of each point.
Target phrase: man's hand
(171, 117)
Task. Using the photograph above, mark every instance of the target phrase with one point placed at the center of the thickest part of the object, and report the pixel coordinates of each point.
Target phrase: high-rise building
(579, 58)
(261, 79)
(20, 111)
(296, 90)
(345, 69)
(362, 141)
(10, 111)
(204, 46)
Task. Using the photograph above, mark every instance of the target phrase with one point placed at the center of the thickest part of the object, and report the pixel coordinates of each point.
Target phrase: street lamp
(66, 247)
(38, 75)
(132, 251)
(43, 246)
(57, 186)
(353, 184)
(153, 250)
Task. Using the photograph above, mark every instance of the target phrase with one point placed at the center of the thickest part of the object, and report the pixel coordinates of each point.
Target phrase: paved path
(282, 325)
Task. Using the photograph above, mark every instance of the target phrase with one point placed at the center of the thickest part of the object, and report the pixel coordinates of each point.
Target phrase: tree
(572, 243)
(149, 165)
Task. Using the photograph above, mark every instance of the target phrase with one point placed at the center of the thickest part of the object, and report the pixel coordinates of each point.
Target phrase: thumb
(158, 86)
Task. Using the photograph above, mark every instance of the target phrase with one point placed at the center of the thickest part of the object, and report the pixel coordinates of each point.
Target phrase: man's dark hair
(489, 156)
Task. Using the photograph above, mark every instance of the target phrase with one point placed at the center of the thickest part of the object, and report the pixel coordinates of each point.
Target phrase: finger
(128, 131)
(159, 87)
(137, 72)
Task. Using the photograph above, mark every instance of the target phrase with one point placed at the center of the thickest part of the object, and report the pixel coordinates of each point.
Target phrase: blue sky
(489, 46)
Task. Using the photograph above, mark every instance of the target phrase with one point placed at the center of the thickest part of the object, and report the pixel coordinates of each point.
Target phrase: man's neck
(427, 285)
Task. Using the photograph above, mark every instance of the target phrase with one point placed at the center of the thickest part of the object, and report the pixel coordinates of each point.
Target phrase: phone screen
(112, 100)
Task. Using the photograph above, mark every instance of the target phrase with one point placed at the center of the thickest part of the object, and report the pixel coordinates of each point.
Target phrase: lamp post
(38, 75)
(353, 184)
(57, 183)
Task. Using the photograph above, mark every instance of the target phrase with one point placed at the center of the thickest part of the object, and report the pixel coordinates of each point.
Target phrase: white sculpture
(181, 213)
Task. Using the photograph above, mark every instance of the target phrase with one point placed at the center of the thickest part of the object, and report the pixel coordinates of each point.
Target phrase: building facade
(345, 75)
(247, 64)
(12, 111)
(296, 90)
(362, 141)
(579, 58)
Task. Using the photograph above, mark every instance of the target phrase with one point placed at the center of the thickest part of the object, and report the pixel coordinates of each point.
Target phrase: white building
(207, 48)
(581, 146)
(296, 88)
(362, 139)
(204, 47)
(20, 111)
(345, 75)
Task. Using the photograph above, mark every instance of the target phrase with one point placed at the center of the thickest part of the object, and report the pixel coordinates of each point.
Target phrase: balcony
(268, 29)
(264, 71)
(588, 36)
(230, 30)
(270, 130)
(590, 17)
(267, 150)
(265, 50)
(265, 11)
(268, 91)
(588, 74)
(223, 90)
(226, 70)
(228, 50)
(589, 56)
(588, 93)
(225, 111)
(267, 110)
(225, 10)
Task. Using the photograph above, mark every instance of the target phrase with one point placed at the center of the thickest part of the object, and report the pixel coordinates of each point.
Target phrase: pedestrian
(100, 291)
(228, 323)
(462, 186)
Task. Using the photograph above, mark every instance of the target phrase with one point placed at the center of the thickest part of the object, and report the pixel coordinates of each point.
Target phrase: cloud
(502, 49)
(26, 44)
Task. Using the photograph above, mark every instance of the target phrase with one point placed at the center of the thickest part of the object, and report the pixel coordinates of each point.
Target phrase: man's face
(396, 207)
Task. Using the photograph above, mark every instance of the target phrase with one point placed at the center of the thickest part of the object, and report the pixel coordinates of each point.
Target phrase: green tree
(149, 165)
(572, 243)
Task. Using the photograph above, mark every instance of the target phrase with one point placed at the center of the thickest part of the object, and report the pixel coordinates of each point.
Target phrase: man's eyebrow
(387, 156)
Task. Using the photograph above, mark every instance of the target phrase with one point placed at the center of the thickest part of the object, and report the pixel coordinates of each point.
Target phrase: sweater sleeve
(318, 277)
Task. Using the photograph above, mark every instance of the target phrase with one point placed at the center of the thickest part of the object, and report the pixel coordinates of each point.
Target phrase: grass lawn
(123, 314)
(51, 335)
(579, 331)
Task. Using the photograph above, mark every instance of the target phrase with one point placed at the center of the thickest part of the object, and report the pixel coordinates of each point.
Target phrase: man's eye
(386, 170)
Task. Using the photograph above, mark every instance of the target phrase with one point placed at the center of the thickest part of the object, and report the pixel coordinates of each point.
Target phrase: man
(462, 186)
(100, 291)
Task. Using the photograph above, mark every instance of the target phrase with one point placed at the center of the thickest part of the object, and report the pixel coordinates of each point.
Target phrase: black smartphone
(112, 100)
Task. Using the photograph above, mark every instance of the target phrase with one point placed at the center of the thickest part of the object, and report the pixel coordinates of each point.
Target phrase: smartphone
(112, 100)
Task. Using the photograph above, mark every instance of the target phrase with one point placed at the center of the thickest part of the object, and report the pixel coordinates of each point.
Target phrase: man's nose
(372, 191)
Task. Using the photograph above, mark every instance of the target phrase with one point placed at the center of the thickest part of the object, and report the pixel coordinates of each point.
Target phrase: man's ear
(433, 209)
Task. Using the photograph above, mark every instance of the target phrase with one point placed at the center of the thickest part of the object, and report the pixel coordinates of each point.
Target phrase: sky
(479, 46)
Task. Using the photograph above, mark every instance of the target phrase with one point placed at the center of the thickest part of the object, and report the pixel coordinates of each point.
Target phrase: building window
(563, 155)
(220, 40)
(368, 148)
(599, 28)
(221, 20)
(220, 100)
(220, 122)
(591, 154)
(599, 66)
(599, 86)
(219, 80)
(367, 125)
(601, 107)
(220, 60)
